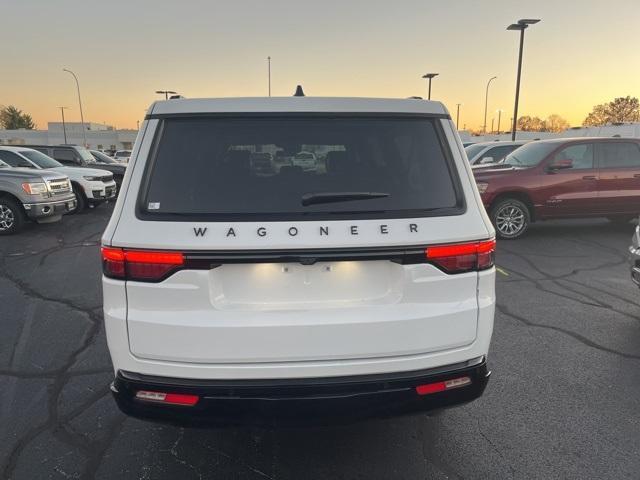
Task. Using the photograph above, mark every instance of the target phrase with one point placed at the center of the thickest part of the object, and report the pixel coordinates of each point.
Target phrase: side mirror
(486, 160)
(560, 164)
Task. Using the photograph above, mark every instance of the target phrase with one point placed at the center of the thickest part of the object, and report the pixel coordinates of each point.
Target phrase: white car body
(484, 153)
(284, 320)
(122, 156)
(97, 185)
(305, 160)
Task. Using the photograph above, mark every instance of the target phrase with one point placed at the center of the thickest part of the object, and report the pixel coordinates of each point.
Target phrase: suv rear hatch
(293, 264)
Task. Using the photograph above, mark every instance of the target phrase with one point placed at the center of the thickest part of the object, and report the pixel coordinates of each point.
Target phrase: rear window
(207, 167)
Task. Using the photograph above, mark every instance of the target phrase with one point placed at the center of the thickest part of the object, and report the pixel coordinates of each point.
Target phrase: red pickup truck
(562, 178)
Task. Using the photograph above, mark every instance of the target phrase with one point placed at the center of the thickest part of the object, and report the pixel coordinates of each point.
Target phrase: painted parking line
(503, 272)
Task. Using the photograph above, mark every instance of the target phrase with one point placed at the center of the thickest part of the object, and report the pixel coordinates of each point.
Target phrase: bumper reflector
(436, 387)
(167, 398)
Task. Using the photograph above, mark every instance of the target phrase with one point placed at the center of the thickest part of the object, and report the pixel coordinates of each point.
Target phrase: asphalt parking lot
(563, 400)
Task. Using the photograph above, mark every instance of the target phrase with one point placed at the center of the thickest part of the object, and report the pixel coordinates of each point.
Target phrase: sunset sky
(581, 53)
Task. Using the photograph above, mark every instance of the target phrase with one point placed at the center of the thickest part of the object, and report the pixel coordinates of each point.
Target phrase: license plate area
(290, 286)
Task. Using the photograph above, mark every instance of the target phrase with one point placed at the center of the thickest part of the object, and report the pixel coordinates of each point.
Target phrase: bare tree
(530, 124)
(621, 109)
(555, 123)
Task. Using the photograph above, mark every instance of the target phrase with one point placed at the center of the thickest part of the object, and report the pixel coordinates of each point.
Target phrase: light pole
(486, 99)
(430, 77)
(84, 134)
(458, 114)
(522, 25)
(492, 120)
(269, 73)
(499, 115)
(64, 126)
(166, 93)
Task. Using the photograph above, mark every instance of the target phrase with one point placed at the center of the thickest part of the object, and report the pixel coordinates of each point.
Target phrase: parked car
(562, 178)
(122, 156)
(490, 152)
(634, 255)
(363, 290)
(78, 156)
(29, 194)
(305, 160)
(90, 186)
(262, 163)
(102, 157)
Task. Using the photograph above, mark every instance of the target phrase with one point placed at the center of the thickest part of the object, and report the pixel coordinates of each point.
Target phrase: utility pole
(499, 115)
(458, 115)
(166, 93)
(269, 73)
(64, 126)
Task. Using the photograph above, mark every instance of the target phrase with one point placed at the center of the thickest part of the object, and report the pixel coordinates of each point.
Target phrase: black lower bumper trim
(298, 401)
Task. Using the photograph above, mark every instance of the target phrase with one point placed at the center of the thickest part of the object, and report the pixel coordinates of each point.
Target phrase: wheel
(511, 218)
(11, 217)
(81, 201)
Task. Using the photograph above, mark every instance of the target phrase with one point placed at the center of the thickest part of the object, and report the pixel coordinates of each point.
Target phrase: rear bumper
(299, 401)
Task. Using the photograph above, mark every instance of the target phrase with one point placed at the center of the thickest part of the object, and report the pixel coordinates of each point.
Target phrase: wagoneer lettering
(297, 259)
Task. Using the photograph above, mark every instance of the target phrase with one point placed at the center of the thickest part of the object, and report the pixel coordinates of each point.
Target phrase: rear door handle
(589, 177)
(636, 175)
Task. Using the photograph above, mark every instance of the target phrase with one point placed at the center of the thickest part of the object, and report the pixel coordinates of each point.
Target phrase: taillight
(167, 398)
(139, 265)
(436, 387)
(462, 257)
(113, 262)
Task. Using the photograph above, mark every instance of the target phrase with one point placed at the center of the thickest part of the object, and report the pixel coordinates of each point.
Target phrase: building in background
(99, 136)
(624, 130)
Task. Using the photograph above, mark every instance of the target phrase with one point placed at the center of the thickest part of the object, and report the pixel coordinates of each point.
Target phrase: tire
(81, 201)
(11, 217)
(511, 218)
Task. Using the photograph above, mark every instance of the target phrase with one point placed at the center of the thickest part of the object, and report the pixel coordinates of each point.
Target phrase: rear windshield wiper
(333, 197)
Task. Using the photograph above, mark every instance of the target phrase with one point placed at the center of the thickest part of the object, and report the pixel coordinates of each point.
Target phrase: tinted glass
(101, 157)
(581, 156)
(498, 153)
(14, 160)
(40, 159)
(619, 154)
(85, 155)
(473, 150)
(205, 166)
(64, 156)
(530, 155)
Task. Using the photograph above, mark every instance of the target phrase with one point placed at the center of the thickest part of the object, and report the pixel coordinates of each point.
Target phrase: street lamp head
(523, 23)
(430, 75)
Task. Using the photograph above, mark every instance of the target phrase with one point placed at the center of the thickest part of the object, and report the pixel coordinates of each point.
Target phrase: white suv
(236, 295)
